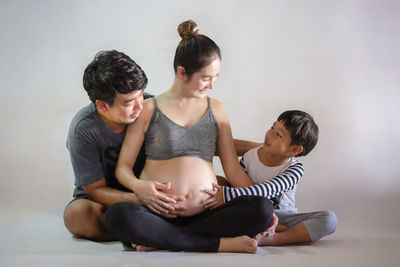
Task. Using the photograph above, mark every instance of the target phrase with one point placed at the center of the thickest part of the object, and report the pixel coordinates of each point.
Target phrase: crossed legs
(223, 229)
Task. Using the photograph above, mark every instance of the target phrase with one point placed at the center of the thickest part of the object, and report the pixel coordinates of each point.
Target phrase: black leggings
(132, 223)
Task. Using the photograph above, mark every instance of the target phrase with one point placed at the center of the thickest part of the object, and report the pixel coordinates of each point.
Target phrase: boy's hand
(215, 199)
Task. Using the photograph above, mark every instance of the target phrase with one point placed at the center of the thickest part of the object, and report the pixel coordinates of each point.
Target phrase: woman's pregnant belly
(188, 177)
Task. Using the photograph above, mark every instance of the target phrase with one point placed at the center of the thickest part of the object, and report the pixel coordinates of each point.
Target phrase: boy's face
(278, 141)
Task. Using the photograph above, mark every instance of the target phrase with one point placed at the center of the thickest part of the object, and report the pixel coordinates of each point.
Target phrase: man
(114, 84)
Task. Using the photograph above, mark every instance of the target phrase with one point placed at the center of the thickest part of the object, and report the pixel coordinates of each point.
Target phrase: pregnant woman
(181, 129)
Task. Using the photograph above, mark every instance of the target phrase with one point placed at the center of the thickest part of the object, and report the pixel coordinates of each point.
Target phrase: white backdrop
(338, 60)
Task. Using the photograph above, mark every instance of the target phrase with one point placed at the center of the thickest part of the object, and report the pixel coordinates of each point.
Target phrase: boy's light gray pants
(318, 224)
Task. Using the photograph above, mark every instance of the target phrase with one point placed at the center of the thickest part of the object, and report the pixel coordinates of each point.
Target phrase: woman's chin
(201, 94)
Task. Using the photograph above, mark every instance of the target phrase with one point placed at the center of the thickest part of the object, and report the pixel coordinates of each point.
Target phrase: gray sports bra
(165, 139)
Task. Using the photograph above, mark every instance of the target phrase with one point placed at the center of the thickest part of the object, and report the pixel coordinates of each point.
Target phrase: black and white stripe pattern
(286, 181)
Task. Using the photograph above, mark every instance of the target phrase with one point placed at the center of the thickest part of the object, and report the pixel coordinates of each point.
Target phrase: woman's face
(204, 79)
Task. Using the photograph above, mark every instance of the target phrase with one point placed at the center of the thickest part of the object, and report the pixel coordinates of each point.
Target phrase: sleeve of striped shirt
(285, 181)
(242, 163)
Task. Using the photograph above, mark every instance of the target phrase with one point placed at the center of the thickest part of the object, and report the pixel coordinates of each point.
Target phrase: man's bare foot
(242, 244)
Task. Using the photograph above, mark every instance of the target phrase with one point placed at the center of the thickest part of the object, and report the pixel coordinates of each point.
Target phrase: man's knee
(84, 218)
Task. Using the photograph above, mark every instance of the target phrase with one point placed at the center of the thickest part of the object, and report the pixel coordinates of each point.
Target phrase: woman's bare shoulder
(218, 108)
(217, 104)
(144, 117)
(148, 108)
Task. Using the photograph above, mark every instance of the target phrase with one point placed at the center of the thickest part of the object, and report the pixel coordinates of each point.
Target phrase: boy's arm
(242, 146)
(284, 182)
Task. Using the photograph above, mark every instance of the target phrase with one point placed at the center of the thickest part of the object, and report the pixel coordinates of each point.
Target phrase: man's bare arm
(242, 146)
(101, 193)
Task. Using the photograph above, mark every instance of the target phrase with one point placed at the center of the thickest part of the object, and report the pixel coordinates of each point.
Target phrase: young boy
(275, 170)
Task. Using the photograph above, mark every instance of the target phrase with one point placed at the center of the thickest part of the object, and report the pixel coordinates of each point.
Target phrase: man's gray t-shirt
(94, 151)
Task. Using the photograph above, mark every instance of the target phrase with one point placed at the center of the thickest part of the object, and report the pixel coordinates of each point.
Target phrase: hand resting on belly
(189, 177)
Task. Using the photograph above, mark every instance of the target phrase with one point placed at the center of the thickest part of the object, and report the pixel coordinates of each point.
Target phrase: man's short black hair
(303, 130)
(112, 72)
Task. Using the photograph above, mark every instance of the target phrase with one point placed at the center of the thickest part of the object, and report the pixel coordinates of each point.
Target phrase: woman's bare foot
(143, 248)
(138, 248)
(242, 244)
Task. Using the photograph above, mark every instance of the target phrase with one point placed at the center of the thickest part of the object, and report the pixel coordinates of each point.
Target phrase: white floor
(42, 240)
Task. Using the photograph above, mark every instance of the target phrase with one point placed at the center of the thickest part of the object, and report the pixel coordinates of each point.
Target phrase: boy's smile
(277, 139)
(277, 147)
(266, 143)
(278, 143)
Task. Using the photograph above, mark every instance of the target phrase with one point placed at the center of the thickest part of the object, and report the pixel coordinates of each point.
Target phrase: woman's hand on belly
(153, 195)
(192, 204)
(188, 177)
(187, 204)
(180, 207)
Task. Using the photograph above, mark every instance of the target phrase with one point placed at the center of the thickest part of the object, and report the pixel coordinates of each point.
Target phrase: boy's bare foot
(281, 228)
(265, 239)
(297, 235)
(241, 244)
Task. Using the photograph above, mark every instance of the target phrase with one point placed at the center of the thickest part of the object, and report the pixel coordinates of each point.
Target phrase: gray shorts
(318, 224)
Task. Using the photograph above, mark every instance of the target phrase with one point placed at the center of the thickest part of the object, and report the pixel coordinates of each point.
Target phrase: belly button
(188, 196)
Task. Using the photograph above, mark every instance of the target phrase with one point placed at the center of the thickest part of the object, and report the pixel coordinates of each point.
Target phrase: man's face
(126, 107)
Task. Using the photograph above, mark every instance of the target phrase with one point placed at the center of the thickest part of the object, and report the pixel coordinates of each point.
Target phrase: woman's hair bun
(186, 29)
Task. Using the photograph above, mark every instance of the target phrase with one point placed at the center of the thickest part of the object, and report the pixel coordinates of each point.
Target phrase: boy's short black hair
(112, 72)
(303, 130)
